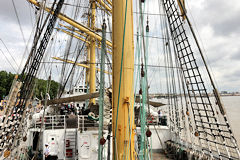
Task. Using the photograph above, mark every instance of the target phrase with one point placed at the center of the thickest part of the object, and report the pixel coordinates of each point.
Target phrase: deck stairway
(71, 144)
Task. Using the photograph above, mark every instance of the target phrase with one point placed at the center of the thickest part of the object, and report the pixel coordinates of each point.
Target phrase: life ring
(92, 116)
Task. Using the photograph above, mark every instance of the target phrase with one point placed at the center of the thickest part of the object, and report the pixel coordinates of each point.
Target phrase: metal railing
(63, 122)
(154, 120)
(50, 122)
(84, 123)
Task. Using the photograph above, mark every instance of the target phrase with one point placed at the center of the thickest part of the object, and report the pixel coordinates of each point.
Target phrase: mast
(123, 91)
(87, 77)
(92, 79)
(87, 69)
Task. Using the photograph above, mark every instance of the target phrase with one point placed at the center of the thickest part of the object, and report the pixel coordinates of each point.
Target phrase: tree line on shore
(6, 79)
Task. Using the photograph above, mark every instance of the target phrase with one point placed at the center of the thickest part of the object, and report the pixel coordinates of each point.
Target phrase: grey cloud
(229, 26)
(234, 75)
(236, 56)
(222, 15)
(23, 9)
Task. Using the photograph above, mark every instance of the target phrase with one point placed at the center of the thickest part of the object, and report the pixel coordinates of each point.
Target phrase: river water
(232, 106)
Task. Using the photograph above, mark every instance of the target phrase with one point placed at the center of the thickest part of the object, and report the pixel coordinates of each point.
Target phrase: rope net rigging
(196, 122)
(14, 118)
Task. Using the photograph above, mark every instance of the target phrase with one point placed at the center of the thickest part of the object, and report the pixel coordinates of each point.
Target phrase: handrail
(60, 122)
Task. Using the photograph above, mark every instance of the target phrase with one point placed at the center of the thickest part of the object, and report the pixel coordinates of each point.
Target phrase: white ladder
(70, 144)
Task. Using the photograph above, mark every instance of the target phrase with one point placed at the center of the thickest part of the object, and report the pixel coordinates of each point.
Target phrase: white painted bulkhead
(86, 146)
(55, 140)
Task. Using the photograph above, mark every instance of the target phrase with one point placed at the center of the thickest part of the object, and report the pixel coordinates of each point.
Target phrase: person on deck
(160, 117)
(46, 153)
(62, 110)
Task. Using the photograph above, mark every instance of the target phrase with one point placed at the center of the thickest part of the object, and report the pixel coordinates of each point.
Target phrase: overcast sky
(217, 22)
(219, 28)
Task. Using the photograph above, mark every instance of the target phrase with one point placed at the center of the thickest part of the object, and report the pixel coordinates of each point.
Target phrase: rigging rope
(143, 88)
(8, 61)
(143, 92)
(20, 27)
(9, 52)
(207, 127)
(79, 52)
(18, 111)
(102, 91)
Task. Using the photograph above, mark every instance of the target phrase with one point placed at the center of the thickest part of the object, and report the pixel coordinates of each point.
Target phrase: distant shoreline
(197, 95)
(225, 95)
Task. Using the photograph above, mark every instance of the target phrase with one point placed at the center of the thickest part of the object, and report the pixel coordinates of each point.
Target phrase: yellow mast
(92, 80)
(123, 68)
(87, 76)
(73, 23)
(79, 64)
(87, 69)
